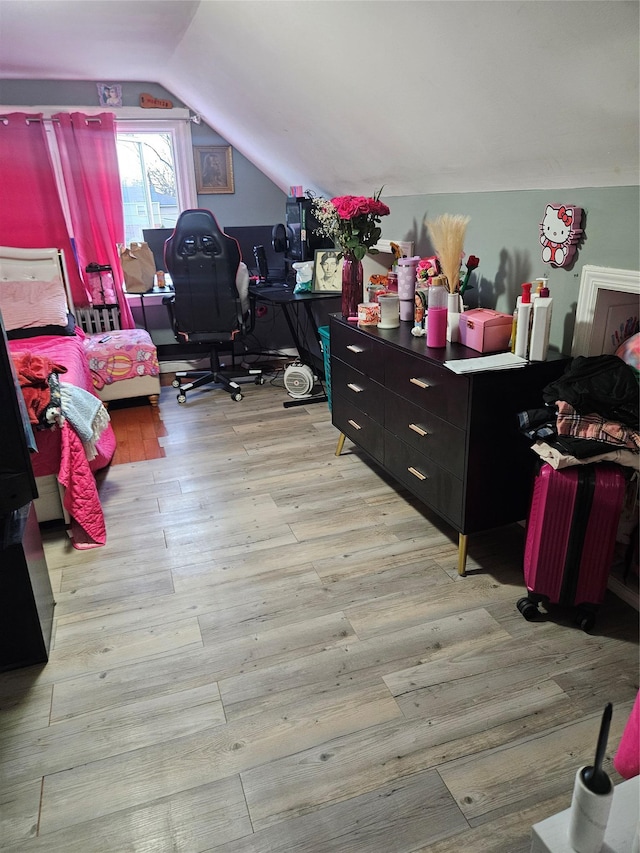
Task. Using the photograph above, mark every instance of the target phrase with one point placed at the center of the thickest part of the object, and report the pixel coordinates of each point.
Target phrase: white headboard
(35, 265)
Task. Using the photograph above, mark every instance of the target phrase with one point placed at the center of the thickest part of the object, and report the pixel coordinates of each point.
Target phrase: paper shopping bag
(138, 267)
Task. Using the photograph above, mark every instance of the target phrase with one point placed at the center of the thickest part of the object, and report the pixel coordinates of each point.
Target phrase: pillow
(33, 304)
(629, 352)
(38, 331)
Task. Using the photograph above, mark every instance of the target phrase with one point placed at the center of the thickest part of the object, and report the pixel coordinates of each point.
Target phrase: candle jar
(389, 311)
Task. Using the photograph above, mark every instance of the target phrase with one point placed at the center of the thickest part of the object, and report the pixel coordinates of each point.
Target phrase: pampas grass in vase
(447, 234)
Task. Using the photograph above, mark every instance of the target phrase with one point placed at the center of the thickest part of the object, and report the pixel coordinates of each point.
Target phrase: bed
(78, 441)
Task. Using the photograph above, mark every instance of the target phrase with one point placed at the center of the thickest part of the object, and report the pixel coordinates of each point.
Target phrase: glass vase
(352, 278)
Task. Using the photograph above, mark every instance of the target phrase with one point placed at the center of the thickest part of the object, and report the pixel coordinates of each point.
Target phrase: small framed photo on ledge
(327, 271)
(109, 95)
(214, 169)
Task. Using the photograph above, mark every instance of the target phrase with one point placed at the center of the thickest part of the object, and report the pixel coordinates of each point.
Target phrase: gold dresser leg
(462, 554)
(340, 444)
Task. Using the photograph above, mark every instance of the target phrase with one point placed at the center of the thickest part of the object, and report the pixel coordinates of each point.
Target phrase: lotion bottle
(524, 321)
(540, 326)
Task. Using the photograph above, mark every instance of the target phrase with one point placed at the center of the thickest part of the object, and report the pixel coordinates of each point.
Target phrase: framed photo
(214, 169)
(327, 271)
(109, 95)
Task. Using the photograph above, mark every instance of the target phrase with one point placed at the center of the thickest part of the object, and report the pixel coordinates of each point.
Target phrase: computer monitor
(302, 231)
(249, 236)
(155, 238)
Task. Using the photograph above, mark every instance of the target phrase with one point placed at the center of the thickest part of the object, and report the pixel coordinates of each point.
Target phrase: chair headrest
(197, 231)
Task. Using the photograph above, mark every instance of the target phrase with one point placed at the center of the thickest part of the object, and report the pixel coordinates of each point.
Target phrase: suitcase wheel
(528, 609)
(585, 620)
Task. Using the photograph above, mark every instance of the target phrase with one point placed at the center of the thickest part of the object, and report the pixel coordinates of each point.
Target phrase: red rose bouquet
(352, 221)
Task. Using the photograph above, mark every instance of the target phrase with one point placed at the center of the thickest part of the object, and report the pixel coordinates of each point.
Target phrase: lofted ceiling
(344, 96)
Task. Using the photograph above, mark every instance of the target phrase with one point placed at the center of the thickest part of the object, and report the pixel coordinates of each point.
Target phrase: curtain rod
(4, 118)
(121, 114)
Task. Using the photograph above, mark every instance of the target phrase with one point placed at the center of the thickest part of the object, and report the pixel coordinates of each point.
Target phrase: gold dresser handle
(417, 473)
(419, 382)
(418, 429)
(354, 348)
(354, 424)
(353, 387)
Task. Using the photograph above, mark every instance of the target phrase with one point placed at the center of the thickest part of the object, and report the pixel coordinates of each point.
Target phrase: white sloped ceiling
(421, 97)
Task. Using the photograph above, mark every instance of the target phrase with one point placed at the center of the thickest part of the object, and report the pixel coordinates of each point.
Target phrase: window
(155, 156)
(156, 174)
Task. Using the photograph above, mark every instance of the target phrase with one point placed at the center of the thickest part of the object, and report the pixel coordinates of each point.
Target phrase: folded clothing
(594, 427)
(557, 459)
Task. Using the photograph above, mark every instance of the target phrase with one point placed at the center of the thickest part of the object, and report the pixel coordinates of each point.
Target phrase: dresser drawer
(360, 390)
(359, 350)
(425, 432)
(428, 481)
(428, 385)
(360, 428)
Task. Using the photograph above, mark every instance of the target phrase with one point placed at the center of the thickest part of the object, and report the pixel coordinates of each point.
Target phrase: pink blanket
(61, 452)
(124, 354)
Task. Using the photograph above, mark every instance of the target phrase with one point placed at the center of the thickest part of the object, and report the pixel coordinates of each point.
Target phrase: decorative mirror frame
(601, 289)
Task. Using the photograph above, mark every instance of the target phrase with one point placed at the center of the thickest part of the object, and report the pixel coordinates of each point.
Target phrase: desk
(155, 291)
(290, 302)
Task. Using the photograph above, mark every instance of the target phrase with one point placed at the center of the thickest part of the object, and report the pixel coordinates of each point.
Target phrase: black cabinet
(451, 439)
(26, 598)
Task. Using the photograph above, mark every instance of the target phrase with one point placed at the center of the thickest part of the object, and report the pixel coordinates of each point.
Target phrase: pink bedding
(61, 451)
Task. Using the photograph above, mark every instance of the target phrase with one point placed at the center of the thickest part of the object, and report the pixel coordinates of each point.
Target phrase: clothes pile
(51, 402)
(591, 414)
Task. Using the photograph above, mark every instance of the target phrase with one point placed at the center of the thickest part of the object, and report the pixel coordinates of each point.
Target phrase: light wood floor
(273, 653)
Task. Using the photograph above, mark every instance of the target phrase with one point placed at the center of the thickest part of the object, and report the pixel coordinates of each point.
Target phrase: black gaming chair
(206, 307)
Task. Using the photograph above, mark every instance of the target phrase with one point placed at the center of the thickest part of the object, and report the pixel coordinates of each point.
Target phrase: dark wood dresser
(453, 440)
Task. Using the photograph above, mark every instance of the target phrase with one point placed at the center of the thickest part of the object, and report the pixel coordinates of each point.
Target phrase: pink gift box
(485, 330)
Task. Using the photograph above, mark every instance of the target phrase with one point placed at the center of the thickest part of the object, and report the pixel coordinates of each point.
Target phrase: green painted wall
(504, 233)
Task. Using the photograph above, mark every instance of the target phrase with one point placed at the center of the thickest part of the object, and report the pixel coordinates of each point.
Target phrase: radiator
(99, 318)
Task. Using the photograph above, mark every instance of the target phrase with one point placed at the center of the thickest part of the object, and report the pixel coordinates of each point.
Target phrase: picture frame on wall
(607, 310)
(109, 94)
(327, 271)
(214, 169)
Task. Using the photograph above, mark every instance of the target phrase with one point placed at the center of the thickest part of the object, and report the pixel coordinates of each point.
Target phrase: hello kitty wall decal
(560, 234)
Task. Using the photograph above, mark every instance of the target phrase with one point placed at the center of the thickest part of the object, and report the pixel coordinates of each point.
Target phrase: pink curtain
(89, 159)
(31, 215)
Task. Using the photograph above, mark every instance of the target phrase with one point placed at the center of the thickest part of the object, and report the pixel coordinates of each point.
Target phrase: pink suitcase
(570, 538)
